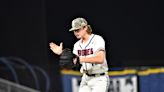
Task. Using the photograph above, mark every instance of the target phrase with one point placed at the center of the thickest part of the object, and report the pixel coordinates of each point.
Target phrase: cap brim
(73, 29)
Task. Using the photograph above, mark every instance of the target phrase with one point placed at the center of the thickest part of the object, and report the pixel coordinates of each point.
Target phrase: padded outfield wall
(126, 80)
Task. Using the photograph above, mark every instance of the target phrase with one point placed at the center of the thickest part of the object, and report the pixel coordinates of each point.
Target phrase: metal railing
(15, 64)
(7, 86)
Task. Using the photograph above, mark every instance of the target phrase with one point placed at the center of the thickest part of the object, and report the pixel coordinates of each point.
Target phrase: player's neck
(86, 38)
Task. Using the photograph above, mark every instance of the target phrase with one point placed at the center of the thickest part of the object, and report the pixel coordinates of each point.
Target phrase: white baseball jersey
(89, 49)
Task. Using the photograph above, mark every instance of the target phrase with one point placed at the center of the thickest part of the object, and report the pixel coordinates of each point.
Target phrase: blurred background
(133, 32)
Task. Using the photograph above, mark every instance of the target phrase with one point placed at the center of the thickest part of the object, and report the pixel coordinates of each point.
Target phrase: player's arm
(97, 59)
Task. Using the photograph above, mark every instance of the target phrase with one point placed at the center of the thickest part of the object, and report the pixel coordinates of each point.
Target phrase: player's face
(80, 33)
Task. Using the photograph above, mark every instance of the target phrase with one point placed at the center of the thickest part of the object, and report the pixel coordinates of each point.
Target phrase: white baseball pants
(94, 84)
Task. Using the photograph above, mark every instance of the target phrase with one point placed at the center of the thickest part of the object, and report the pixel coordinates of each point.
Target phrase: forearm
(96, 60)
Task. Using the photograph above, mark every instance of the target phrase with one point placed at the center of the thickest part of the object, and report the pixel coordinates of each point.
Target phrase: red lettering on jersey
(85, 52)
(91, 51)
(79, 52)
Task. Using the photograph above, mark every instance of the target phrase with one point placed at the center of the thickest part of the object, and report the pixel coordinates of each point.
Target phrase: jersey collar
(84, 45)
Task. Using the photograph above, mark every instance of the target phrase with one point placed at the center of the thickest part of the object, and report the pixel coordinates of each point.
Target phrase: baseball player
(90, 48)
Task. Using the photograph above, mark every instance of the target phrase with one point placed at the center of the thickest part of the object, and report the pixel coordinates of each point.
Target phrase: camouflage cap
(78, 23)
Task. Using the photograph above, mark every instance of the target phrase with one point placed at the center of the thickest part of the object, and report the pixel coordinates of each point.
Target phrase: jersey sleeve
(75, 49)
(99, 44)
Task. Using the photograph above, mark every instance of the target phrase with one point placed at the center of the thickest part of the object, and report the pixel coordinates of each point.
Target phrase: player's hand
(56, 49)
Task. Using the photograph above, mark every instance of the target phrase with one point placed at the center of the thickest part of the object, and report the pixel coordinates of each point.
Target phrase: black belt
(94, 75)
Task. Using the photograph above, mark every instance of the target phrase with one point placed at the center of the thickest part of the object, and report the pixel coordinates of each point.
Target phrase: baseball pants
(94, 83)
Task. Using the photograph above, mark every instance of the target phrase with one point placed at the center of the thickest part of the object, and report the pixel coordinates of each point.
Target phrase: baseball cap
(78, 23)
